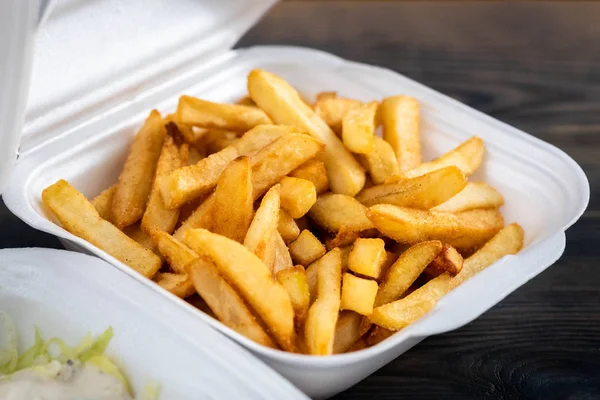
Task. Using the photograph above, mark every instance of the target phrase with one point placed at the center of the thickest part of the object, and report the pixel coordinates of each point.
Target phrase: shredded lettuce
(10, 356)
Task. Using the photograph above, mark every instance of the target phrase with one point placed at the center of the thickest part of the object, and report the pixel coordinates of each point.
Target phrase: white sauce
(62, 382)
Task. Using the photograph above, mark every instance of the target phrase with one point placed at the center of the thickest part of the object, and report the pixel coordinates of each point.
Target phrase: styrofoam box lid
(67, 295)
(90, 55)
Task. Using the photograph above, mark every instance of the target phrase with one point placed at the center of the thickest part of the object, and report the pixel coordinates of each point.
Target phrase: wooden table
(535, 66)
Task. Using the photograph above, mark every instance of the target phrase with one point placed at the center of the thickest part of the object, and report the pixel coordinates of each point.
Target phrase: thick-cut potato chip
(156, 214)
(180, 285)
(135, 182)
(367, 257)
(381, 163)
(314, 171)
(474, 195)
(306, 249)
(423, 192)
(78, 216)
(378, 335)
(283, 259)
(260, 238)
(224, 301)
(466, 231)
(334, 211)
(177, 254)
(467, 156)
(206, 114)
(448, 261)
(233, 206)
(253, 279)
(319, 329)
(400, 117)
(297, 196)
(405, 271)
(346, 331)
(332, 109)
(288, 228)
(284, 105)
(293, 279)
(358, 294)
(103, 202)
(358, 128)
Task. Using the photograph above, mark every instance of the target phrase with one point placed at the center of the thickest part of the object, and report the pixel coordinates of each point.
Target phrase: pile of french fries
(296, 225)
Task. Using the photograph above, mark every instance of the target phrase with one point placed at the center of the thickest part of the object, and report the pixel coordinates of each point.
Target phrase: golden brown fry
(224, 301)
(358, 294)
(314, 171)
(180, 285)
(405, 271)
(334, 211)
(288, 228)
(216, 140)
(332, 109)
(103, 202)
(233, 206)
(467, 156)
(319, 329)
(466, 231)
(194, 156)
(423, 192)
(283, 259)
(252, 278)
(381, 163)
(400, 117)
(135, 182)
(344, 237)
(177, 254)
(358, 128)
(206, 114)
(181, 132)
(78, 216)
(306, 249)
(293, 279)
(246, 101)
(474, 195)
(360, 344)
(311, 279)
(136, 233)
(200, 218)
(448, 261)
(260, 238)
(284, 105)
(297, 196)
(346, 331)
(156, 214)
(367, 257)
(261, 136)
(378, 335)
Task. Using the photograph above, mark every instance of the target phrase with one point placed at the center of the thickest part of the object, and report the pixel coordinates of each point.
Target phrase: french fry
(260, 136)
(284, 105)
(136, 232)
(135, 182)
(181, 132)
(293, 279)
(358, 128)
(314, 171)
(224, 301)
(200, 218)
(180, 285)
(306, 249)
(156, 214)
(405, 271)
(467, 156)
(102, 203)
(378, 335)
(206, 114)
(311, 279)
(358, 294)
(466, 231)
(248, 273)
(260, 238)
(288, 228)
(344, 237)
(194, 156)
(332, 109)
(334, 211)
(425, 191)
(78, 216)
(216, 140)
(246, 101)
(474, 195)
(319, 329)
(297, 196)
(177, 254)
(346, 331)
(367, 257)
(381, 163)
(360, 344)
(448, 261)
(400, 117)
(233, 207)
(283, 259)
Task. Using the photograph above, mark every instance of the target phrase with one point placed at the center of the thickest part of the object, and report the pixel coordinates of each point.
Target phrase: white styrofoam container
(68, 295)
(85, 141)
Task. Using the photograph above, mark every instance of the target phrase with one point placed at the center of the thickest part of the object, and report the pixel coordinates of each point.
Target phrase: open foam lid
(92, 55)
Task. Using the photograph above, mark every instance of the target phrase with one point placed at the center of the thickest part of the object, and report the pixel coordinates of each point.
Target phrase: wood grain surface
(533, 65)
